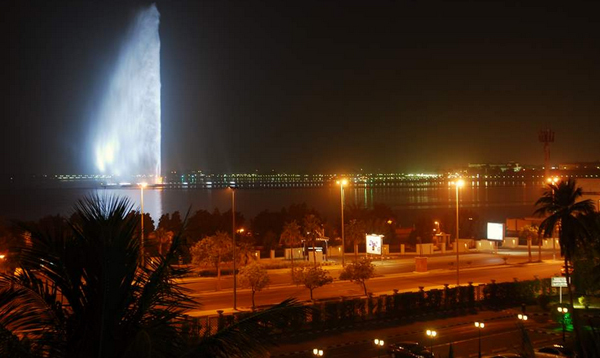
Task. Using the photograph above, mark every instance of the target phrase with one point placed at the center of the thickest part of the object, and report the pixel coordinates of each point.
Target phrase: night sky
(304, 86)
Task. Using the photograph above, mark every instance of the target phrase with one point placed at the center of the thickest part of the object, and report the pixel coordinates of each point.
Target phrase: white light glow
(495, 231)
(128, 134)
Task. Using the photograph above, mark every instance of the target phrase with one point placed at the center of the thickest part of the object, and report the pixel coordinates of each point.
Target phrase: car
(556, 350)
(408, 350)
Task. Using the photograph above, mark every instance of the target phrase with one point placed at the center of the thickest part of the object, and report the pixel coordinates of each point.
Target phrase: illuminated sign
(559, 282)
(374, 244)
(495, 231)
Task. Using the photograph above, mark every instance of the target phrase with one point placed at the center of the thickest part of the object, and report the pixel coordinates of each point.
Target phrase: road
(500, 334)
(391, 275)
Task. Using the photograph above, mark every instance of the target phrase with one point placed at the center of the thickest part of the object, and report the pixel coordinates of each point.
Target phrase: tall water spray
(128, 134)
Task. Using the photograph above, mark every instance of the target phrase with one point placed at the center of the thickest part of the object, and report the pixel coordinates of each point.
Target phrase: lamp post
(342, 183)
(142, 253)
(563, 311)
(318, 352)
(431, 334)
(379, 344)
(459, 184)
(479, 326)
(232, 188)
(552, 182)
(522, 317)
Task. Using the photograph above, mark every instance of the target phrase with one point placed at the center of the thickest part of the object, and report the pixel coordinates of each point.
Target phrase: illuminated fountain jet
(127, 137)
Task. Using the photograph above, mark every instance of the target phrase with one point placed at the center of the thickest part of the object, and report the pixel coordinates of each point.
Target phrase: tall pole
(142, 254)
(233, 238)
(479, 355)
(457, 248)
(479, 326)
(342, 211)
(554, 180)
(546, 136)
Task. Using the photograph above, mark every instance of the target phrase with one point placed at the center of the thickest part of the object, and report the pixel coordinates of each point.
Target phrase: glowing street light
(480, 326)
(142, 253)
(342, 183)
(431, 334)
(232, 188)
(379, 344)
(563, 311)
(459, 184)
(317, 352)
(522, 317)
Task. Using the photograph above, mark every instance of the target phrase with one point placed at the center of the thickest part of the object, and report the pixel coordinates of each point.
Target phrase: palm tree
(529, 232)
(356, 233)
(80, 291)
(312, 225)
(564, 212)
(291, 237)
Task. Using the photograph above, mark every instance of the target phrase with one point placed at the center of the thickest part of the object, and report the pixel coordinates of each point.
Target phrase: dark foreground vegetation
(86, 287)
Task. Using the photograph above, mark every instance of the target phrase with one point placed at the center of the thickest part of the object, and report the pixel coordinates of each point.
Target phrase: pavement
(397, 274)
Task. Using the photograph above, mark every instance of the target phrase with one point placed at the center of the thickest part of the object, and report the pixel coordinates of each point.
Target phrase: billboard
(374, 244)
(495, 231)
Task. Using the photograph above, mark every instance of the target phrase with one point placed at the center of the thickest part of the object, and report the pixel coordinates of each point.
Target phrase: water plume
(127, 139)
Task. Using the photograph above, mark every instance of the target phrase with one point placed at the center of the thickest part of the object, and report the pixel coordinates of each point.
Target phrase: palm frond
(28, 326)
(251, 335)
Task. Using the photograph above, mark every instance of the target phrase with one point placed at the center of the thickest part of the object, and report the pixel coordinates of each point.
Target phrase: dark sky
(312, 86)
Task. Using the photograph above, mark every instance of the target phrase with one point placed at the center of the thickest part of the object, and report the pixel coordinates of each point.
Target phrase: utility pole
(546, 136)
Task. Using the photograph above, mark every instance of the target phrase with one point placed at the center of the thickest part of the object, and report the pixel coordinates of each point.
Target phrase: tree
(213, 251)
(80, 291)
(312, 226)
(291, 237)
(564, 212)
(245, 249)
(312, 278)
(359, 272)
(267, 222)
(163, 239)
(170, 222)
(255, 277)
(356, 234)
(529, 232)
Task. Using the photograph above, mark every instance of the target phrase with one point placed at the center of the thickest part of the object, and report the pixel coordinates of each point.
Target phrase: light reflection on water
(491, 202)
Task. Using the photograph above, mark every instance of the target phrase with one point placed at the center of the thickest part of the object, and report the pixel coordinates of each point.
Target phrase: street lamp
(342, 183)
(479, 326)
(459, 184)
(522, 317)
(379, 344)
(431, 334)
(142, 253)
(563, 311)
(232, 188)
(317, 352)
(552, 182)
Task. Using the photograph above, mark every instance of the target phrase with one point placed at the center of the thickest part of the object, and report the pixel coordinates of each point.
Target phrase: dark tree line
(84, 288)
